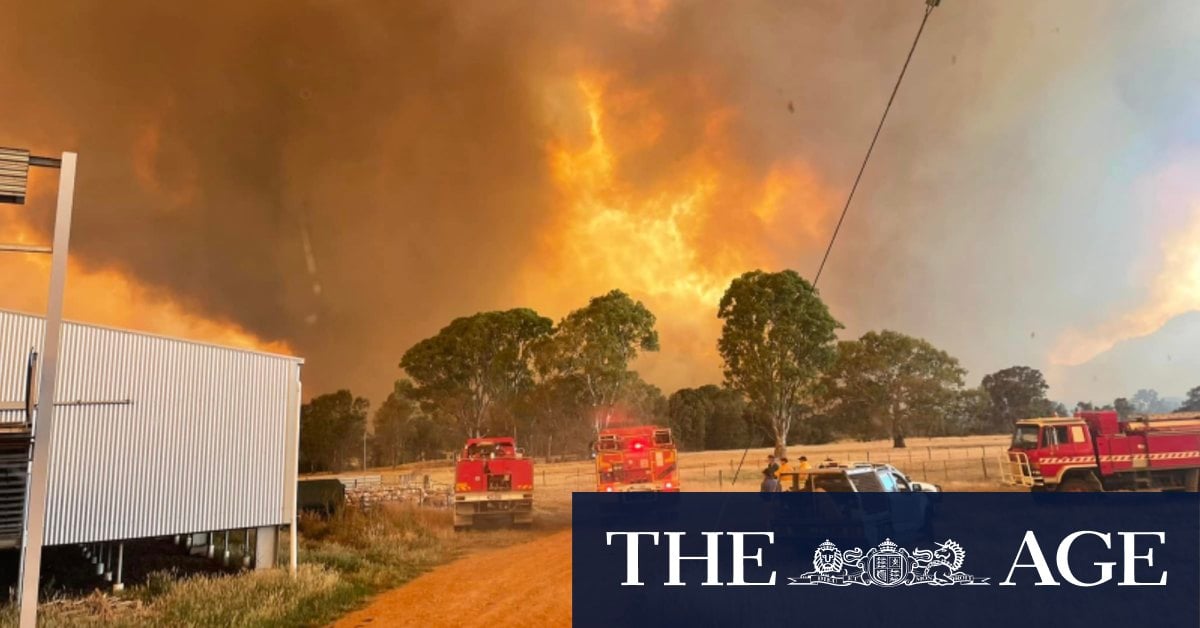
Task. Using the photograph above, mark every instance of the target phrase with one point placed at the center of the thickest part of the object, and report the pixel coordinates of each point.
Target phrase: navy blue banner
(900, 559)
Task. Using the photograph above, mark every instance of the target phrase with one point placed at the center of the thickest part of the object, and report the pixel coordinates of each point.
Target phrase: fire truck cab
(1096, 451)
(639, 458)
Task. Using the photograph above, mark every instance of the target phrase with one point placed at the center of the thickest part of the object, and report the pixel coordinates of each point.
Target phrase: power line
(930, 4)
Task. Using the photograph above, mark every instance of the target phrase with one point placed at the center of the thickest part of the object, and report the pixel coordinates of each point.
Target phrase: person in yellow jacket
(801, 470)
(784, 467)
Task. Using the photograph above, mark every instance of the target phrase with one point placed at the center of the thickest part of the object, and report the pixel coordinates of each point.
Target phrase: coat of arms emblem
(888, 565)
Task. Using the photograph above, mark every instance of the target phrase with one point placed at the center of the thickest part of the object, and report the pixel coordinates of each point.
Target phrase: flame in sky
(1175, 290)
(672, 235)
(105, 296)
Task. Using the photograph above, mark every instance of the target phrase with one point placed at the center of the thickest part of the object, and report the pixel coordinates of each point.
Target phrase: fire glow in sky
(242, 184)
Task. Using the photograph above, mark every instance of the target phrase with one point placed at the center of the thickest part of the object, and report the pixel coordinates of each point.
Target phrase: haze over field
(340, 180)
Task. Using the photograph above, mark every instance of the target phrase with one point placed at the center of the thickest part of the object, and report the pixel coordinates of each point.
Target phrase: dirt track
(481, 589)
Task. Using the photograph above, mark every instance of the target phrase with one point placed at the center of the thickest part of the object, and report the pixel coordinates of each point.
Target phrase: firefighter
(784, 469)
(802, 470)
(770, 483)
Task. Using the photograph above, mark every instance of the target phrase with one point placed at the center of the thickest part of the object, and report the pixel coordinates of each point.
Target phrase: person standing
(802, 471)
(770, 483)
(781, 475)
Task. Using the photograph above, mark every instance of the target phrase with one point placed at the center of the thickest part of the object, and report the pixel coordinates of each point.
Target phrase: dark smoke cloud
(409, 139)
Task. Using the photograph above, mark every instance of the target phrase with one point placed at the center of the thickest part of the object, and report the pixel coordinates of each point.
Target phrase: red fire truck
(1095, 451)
(493, 480)
(636, 459)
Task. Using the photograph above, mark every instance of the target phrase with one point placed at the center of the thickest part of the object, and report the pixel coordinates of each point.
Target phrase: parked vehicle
(889, 474)
(1096, 451)
(493, 480)
(879, 509)
(641, 458)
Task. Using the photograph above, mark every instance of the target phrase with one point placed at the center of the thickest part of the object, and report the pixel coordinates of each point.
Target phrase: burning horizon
(672, 236)
(108, 297)
(346, 178)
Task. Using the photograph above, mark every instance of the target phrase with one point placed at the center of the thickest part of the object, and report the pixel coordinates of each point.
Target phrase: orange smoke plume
(106, 296)
(673, 235)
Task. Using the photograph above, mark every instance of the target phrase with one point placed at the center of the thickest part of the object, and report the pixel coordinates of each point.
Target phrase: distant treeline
(787, 379)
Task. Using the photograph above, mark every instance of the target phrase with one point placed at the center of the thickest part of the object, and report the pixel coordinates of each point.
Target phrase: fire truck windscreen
(1026, 437)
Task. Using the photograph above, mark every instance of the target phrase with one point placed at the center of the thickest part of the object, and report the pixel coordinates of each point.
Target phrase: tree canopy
(1017, 392)
(476, 366)
(777, 338)
(708, 417)
(594, 346)
(1147, 400)
(1192, 403)
(403, 432)
(893, 382)
(331, 430)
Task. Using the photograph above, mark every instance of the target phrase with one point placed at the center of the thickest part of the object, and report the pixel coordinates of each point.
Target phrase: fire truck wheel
(1081, 484)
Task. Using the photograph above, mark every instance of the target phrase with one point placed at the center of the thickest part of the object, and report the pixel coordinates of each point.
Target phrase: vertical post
(292, 478)
(720, 479)
(43, 427)
(119, 584)
(264, 547)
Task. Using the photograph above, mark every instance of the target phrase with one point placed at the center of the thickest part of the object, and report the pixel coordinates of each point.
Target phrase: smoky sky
(408, 142)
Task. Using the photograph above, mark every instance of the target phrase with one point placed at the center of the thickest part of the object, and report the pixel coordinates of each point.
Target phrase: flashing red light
(668, 485)
(637, 444)
(608, 489)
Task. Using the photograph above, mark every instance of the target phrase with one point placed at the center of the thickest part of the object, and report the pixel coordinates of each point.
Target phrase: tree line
(787, 379)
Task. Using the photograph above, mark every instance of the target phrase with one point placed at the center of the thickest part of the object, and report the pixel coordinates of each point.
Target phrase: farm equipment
(493, 480)
(1096, 451)
(636, 459)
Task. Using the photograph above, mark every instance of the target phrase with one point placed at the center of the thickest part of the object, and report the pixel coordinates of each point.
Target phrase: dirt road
(522, 585)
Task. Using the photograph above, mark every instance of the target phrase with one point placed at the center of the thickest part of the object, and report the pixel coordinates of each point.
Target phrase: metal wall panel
(204, 443)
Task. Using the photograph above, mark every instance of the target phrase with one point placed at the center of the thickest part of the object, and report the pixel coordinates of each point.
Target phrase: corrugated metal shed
(156, 436)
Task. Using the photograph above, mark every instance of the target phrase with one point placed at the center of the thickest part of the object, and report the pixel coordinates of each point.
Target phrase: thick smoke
(349, 176)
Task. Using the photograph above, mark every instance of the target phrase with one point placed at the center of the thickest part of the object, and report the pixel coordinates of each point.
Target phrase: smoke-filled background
(339, 179)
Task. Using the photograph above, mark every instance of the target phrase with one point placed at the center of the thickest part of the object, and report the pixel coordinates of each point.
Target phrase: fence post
(924, 472)
(720, 479)
(946, 469)
(868, 455)
(983, 463)
(929, 452)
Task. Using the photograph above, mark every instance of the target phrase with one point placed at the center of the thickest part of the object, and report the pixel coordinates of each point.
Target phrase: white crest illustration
(888, 565)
